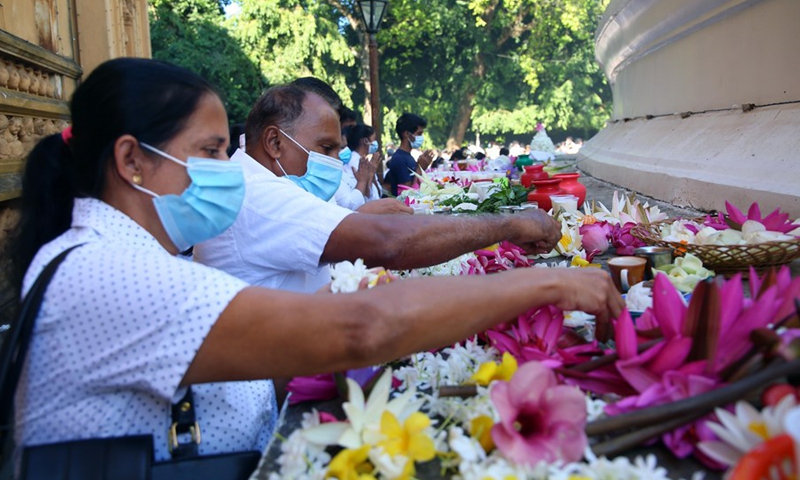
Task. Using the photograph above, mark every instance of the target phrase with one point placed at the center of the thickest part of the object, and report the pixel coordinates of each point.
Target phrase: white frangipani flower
(745, 429)
(346, 276)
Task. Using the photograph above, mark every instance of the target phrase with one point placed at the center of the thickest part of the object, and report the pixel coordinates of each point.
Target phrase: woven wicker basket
(724, 259)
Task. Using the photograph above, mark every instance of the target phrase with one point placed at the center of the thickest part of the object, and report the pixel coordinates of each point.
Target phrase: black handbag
(123, 458)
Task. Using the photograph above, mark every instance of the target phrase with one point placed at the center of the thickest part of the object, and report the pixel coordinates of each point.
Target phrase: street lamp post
(372, 12)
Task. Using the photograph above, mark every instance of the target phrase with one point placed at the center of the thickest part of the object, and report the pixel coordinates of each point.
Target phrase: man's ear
(129, 159)
(271, 141)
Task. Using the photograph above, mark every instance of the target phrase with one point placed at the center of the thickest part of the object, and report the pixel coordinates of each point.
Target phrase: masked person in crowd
(402, 167)
(363, 143)
(125, 327)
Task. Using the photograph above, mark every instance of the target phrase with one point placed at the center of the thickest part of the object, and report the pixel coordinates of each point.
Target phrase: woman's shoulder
(104, 264)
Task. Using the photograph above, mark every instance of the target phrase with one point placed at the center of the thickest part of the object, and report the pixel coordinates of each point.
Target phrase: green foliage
(190, 33)
(505, 195)
(289, 39)
(495, 67)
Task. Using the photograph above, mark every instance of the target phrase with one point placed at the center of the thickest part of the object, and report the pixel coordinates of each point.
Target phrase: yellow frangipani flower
(490, 371)
(480, 428)
(408, 439)
(351, 464)
(582, 262)
(492, 248)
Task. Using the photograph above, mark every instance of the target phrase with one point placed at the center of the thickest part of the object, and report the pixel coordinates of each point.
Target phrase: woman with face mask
(125, 327)
(359, 174)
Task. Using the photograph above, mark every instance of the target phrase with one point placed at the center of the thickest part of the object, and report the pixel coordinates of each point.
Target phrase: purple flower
(623, 241)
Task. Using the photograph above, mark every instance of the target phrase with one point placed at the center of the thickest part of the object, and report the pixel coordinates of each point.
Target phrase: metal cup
(655, 256)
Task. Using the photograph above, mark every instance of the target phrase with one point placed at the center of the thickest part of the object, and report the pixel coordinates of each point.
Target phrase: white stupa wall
(706, 101)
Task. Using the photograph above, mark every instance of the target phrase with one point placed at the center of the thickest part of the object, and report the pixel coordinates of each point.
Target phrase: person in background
(347, 117)
(502, 163)
(358, 175)
(363, 142)
(459, 159)
(410, 129)
(141, 174)
(236, 131)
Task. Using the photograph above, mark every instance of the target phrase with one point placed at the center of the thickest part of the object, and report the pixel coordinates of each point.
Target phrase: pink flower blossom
(324, 386)
(540, 335)
(540, 420)
(314, 387)
(505, 256)
(623, 241)
(595, 238)
(775, 221)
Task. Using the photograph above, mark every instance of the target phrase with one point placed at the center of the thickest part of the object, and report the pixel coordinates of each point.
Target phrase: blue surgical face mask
(207, 207)
(373, 147)
(345, 154)
(323, 173)
(417, 143)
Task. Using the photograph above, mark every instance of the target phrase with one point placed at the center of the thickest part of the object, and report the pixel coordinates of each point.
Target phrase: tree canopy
(494, 67)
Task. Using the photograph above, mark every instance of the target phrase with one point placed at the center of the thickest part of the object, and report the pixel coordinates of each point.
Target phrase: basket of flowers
(729, 243)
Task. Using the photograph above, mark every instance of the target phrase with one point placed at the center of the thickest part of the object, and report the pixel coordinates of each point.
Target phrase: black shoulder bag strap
(15, 346)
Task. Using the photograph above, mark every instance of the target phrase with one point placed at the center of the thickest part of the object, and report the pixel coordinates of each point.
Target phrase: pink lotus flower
(540, 420)
(776, 221)
(540, 335)
(623, 241)
(311, 388)
(505, 256)
(696, 350)
(595, 238)
(324, 386)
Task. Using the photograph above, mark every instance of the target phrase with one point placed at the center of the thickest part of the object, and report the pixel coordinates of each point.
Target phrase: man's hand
(601, 299)
(384, 206)
(535, 231)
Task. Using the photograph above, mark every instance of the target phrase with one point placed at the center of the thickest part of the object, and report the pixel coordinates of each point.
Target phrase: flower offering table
(464, 412)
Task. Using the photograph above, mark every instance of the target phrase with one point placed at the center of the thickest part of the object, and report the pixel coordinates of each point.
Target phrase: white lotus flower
(678, 232)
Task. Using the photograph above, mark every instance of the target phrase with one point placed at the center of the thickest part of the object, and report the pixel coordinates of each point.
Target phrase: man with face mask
(410, 128)
(287, 232)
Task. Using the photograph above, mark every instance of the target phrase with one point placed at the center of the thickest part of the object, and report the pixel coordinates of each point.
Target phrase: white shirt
(279, 236)
(120, 323)
(347, 196)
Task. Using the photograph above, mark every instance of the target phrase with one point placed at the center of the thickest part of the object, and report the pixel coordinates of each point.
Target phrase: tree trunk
(459, 129)
(465, 106)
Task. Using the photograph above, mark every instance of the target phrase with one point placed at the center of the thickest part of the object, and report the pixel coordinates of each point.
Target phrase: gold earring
(136, 179)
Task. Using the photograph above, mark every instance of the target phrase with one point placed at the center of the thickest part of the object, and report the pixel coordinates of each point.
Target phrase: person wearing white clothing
(362, 141)
(279, 235)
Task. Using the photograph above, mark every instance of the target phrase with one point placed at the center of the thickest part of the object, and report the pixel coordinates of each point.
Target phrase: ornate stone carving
(28, 79)
(19, 134)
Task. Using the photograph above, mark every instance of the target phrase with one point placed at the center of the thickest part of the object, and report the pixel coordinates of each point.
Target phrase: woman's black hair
(357, 133)
(148, 99)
